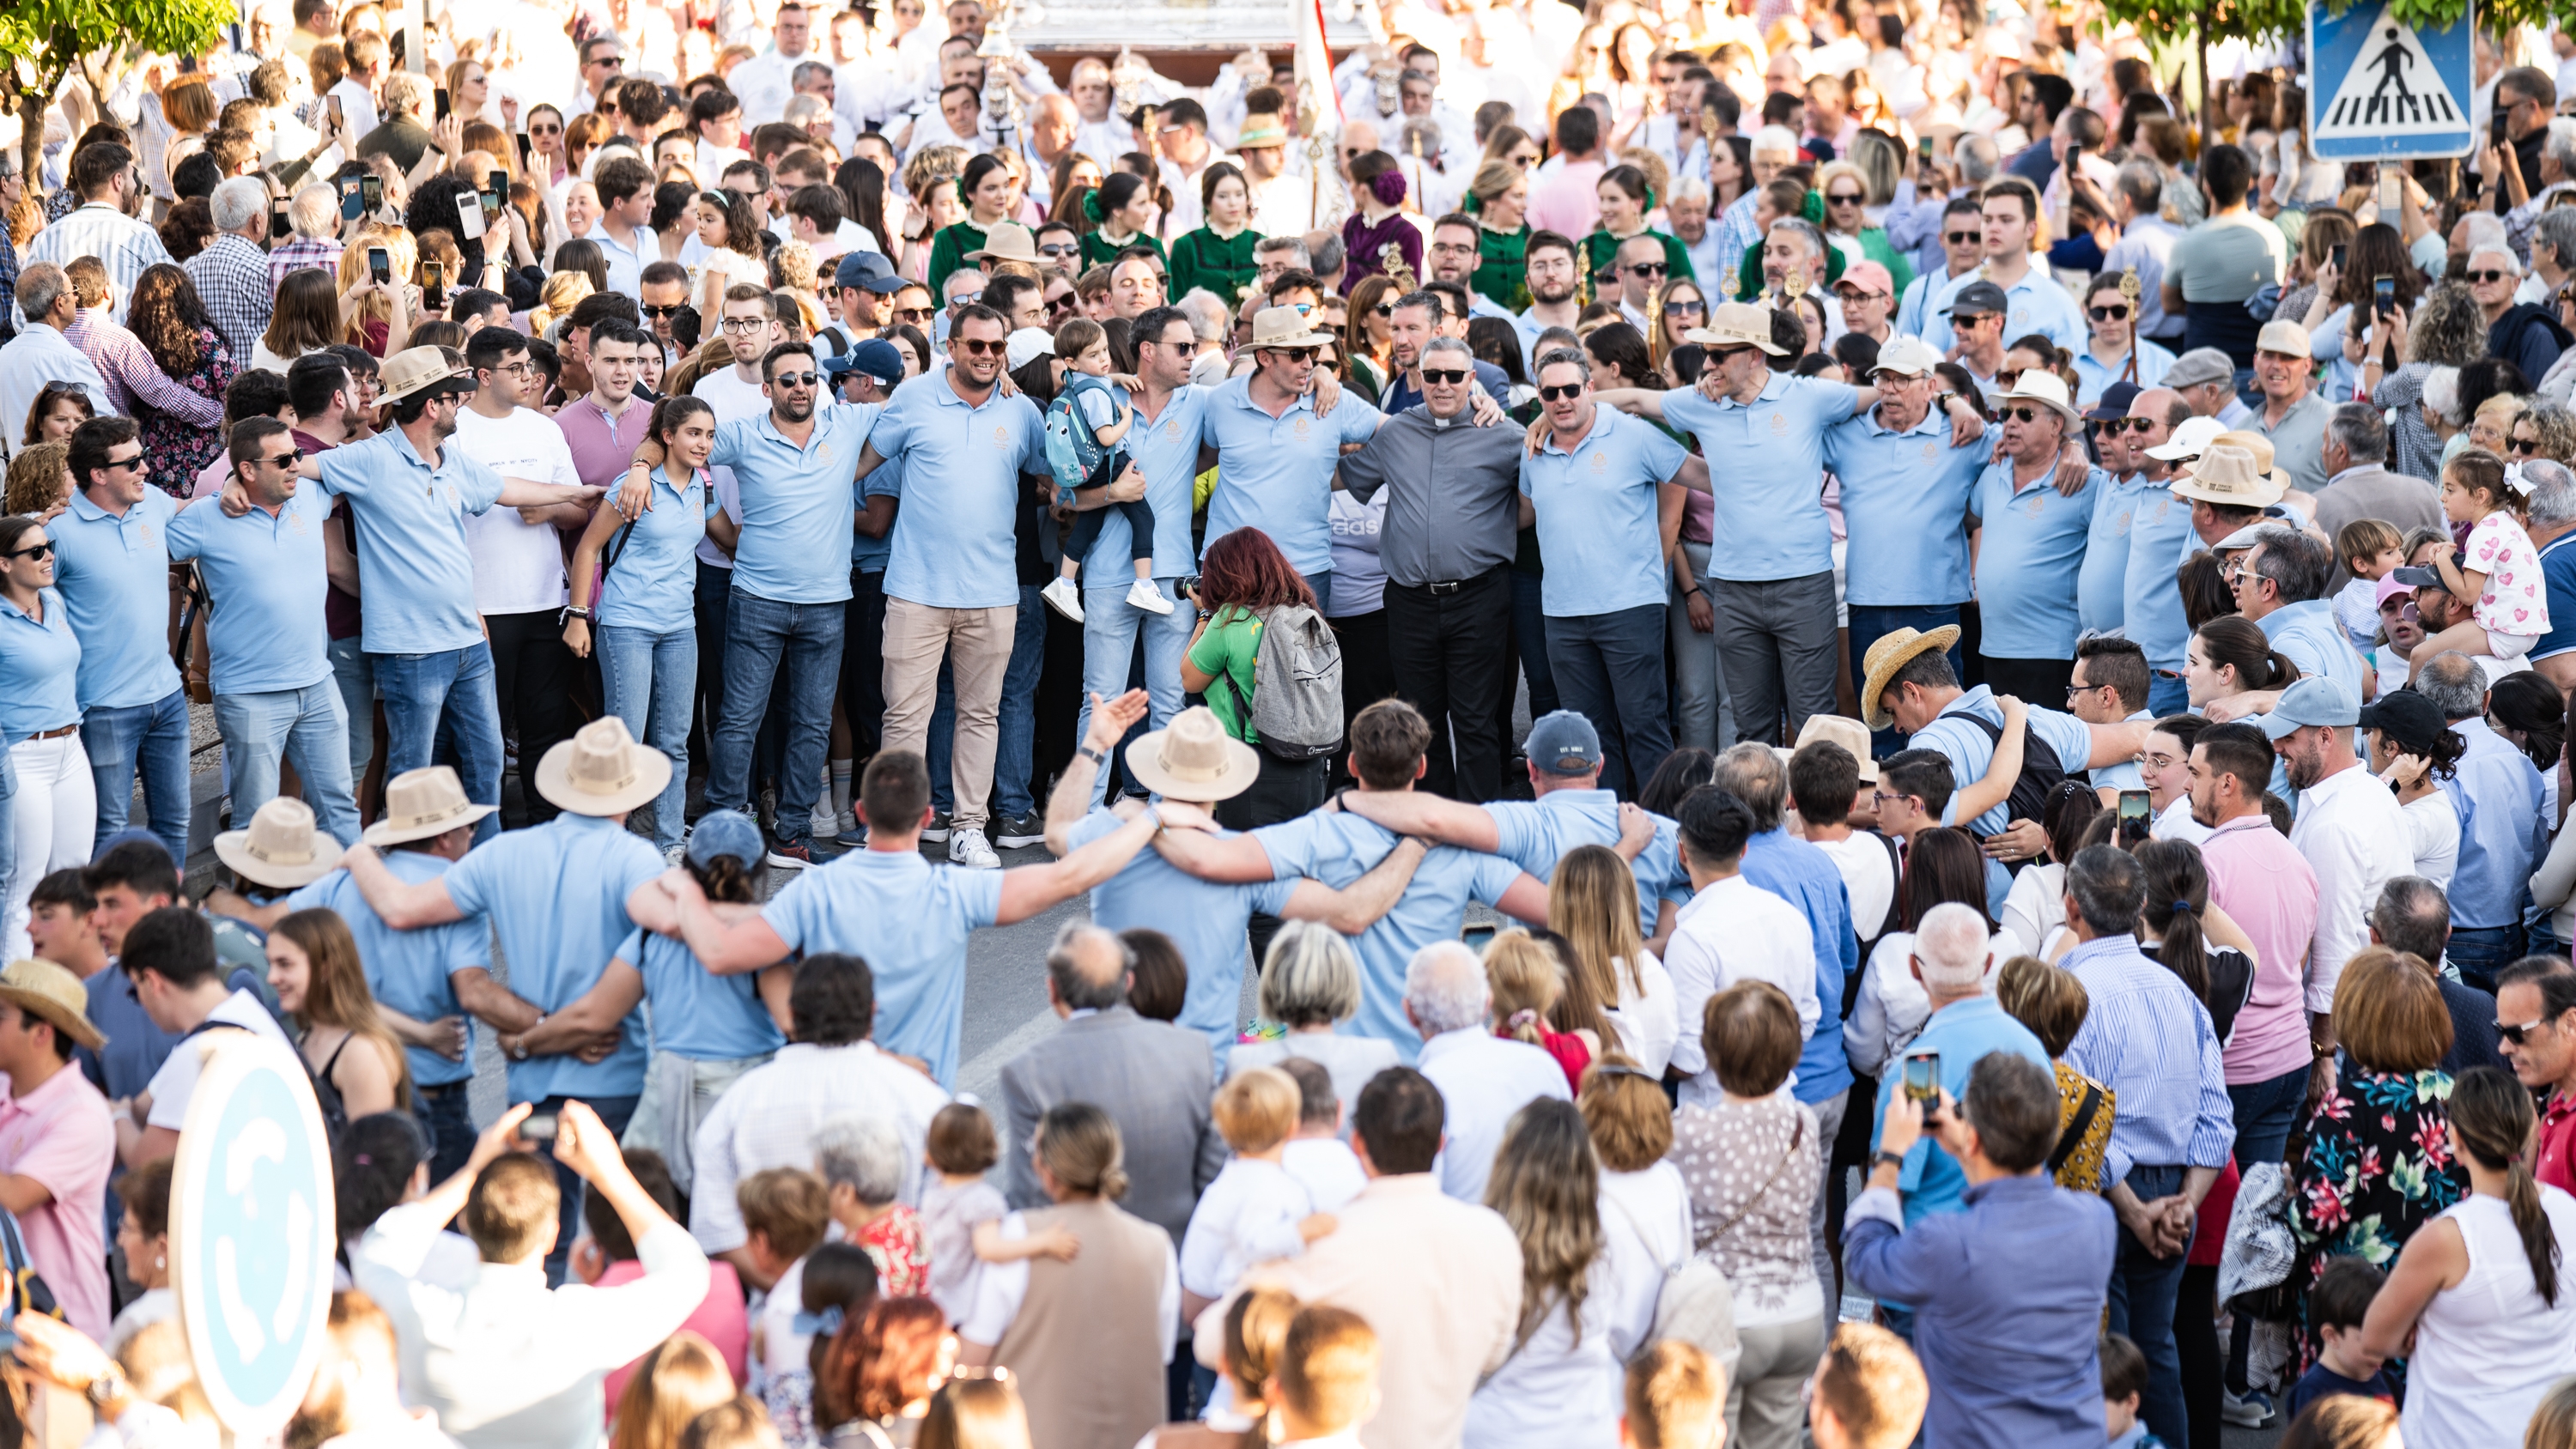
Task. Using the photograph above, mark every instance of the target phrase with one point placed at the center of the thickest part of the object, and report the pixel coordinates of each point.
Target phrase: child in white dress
(961, 1213)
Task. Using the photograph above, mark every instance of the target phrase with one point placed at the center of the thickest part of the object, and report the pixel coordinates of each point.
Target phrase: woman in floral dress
(171, 321)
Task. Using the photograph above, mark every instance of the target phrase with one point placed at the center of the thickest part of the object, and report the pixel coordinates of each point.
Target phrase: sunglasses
(2525, 446)
(2007, 378)
(1649, 269)
(1059, 249)
(1686, 309)
(121, 464)
(2025, 415)
(1384, 309)
(2489, 275)
(2117, 313)
(1842, 198)
(1962, 238)
(979, 346)
(287, 459)
(1446, 375)
(672, 310)
(33, 550)
(2514, 1034)
(2114, 427)
(1566, 393)
(796, 379)
(914, 314)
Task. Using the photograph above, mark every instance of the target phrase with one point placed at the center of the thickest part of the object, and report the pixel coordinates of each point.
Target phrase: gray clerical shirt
(1455, 510)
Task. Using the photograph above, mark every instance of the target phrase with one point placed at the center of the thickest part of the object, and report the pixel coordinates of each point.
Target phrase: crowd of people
(852, 448)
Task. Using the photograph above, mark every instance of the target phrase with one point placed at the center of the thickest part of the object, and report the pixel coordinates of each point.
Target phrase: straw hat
(415, 368)
(602, 771)
(282, 849)
(2229, 477)
(1285, 327)
(2261, 447)
(1194, 759)
(2049, 391)
(1889, 655)
(1007, 241)
(53, 993)
(1843, 730)
(1263, 131)
(423, 803)
(1737, 324)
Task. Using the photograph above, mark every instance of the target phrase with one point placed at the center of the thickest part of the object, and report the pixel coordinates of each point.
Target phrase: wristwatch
(107, 1388)
(1097, 757)
(1885, 1158)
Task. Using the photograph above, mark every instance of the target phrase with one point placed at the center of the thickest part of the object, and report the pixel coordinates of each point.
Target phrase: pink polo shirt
(2266, 887)
(60, 1135)
(1568, 202)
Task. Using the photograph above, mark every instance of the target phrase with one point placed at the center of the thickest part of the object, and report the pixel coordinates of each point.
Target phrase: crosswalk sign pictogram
(2384, 90)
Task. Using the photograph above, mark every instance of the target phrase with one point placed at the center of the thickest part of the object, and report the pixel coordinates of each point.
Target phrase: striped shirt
(122, 244)
(2148, 1041)
(232, 279)
(131, 372)
(302, 252)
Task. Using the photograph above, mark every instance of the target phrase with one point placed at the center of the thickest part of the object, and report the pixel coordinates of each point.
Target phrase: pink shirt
(60, 1135)
(2265, 886)
(1569, 202)
(720, 1319)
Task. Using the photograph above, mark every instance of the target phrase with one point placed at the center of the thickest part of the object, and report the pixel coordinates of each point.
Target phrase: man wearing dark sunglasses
(1639, 268)
(2535, 1020)
(1963, 247)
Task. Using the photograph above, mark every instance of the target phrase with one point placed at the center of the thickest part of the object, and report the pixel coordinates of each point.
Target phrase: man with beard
(1554, 290)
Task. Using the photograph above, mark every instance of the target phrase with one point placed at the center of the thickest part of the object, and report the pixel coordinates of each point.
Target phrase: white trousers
(52, 821)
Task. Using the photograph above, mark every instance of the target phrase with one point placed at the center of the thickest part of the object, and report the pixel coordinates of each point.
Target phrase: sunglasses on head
(1564, 393)
(1446, 375)
(2117, 312)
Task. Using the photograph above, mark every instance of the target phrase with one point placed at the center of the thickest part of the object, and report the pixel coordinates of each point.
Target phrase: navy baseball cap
(1564, 743)
(727, 832)
(1977, 299)
(870, 270)
(875, 356)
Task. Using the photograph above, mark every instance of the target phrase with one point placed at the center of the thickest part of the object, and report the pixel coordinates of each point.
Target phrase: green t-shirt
(1228, 647)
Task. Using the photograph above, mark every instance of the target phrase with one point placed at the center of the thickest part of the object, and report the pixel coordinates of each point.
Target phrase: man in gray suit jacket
(2354, 451)
(1155, 1080)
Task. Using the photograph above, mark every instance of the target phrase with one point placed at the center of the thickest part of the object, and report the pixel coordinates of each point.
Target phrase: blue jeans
(2167, 696)
(650, 679)
(614, 1114)
(1873, 622)
(2265, 1112)
(355, 675)
(442, 706)
(1529, 640)
(150, 739)
(1017, 729)
(309, 726)
(1110, 628)
(1610, 669)
(1321, 583)
(2479, 951)
(760, 635)
(2143, 1290)
(448, 1124)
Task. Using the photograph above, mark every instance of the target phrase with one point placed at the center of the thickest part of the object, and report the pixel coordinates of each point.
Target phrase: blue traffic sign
(2382, 90)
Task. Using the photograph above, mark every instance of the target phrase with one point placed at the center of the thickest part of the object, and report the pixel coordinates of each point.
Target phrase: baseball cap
(2420, 578)
(1977, 299)
(1564, 743)
(2114, 402)
(2201, 364)
(869, 270)
(2316, 700)
(1027, 345)
(874, 356)
(1906, 355)
(2390, 588)
(1869, 277)
(2413, 721)
(726, 832)
(2190, 440)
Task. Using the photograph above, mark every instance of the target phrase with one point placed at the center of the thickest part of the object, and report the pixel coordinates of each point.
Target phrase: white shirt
(765, 82)
(40, 354)
(1650, 1023)
(2433, 828)
(1869, 874)
(1736, 931)
(2034, 908)
(506, 1361)
(1892, 1007)
(2355, 837)
(1483, 1079)
(1104, 140)
(1005, 1287)
(730, 396)
(1248, 1215)
(1645, 1231)
(769, 1117)
(177, 1080)
(1557, 1390)
(626, 264)
(518, 565)
(2175, 823)
(1327, 1168)
(358, 108)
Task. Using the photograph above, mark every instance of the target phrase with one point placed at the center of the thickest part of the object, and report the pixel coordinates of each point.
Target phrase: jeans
(1873, 622)
(2482, 951)
(52, 816)
(1529, 641)
(2144, 1288)
(355, 674)
(1701, 720)
(150, 740)
(614, 1114)
(760, 635)
(1610, 668)
(443, 701)
(2265, 1112)
(1110, 628)
(1775, 640)
(2167, 696)
(1016, 733)
(446, 1119)
(650, 678)
(1322, 585)
(532, 679)
(309, 726)
(1451, 653)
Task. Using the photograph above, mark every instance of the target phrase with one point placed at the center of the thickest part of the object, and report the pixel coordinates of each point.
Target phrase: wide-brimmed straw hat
(602, 771)
(1007, 241)
(415, 369)
(2049, 391)
(1285, 327)
(282, 848)
(1194, 759)
(2230, 477)
(1843, 730)
(1737, 324)
(1890, 654)
(423, 803)
(53, 993)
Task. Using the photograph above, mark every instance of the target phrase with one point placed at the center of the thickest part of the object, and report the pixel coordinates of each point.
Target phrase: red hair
(884, 1359)
(1246, 569)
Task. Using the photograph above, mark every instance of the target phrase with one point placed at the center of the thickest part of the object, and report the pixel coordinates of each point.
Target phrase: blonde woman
(379, 316)
(1529, 986)
(313, 966)
(561, 293)
(1592, 907)
(1310, 981)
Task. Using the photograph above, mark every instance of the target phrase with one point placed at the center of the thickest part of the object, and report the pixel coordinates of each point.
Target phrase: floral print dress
(903, 1260)
(2376, 1166)
(177, 449)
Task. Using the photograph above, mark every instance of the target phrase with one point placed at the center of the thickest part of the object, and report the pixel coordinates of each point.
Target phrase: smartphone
(371, 190)
(339, 121)
(2495, 128)
(2336, 254)
(539, 1127)
(352, 206)
(380, 265)
(1923, 150)
(496, 190)
(469, 215)
(1922, 1078)
(279, 227)
(2383, 294)
(2136, 814)
(433, 286)
(440, 100)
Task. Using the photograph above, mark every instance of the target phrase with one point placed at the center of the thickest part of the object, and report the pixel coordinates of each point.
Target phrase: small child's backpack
(1075, 454)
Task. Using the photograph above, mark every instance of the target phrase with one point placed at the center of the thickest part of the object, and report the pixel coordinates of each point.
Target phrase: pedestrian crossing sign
(2384, 90)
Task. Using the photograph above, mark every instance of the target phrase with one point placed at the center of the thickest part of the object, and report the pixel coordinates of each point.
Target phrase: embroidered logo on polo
(1779, 425)
(1600, 463)
(2033, 503)
(1931, 453)
(1001, 436)
(1302, 428)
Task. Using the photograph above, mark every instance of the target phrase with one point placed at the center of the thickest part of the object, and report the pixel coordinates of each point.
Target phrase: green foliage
(41, 41)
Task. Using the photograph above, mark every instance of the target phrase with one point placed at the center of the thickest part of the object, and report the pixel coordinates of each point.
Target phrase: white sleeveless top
(2488, 1349)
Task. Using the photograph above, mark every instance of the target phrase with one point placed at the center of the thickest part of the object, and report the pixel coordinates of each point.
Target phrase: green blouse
(1223, 265)
(948, 252)
(1099, 253)
(1502, 267)
(1227, 648)
(1601, 249)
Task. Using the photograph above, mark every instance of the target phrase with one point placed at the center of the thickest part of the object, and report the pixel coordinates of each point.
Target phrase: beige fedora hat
(2261, 447)
(282, 849)
(423, 803)
(1737, 324)
(602, 771)
(1007, 241)
(1194, 759)
(2230, 477)
(1888, 655)
(54, 993)
(2049, 391)
(415, 368)
(1285, 327)
(1843, 730)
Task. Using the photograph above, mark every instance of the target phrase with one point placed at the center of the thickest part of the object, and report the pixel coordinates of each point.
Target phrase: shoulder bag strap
(1796, 1136)
(2073, 1137)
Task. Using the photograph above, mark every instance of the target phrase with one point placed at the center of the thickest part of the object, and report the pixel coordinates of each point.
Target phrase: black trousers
(1451, 647)
(1368, 675)
(532, 681)
(863, 663)
(2039, 683)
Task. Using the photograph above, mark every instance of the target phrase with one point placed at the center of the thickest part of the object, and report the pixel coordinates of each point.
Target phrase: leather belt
(55, 734)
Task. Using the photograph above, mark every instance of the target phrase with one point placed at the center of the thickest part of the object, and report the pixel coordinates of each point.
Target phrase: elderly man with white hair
(314, 217)
(232, 274)
(1483, 1079)
(2525, 334)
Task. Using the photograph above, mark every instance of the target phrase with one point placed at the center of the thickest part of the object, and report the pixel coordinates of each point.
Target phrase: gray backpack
(1297, 684)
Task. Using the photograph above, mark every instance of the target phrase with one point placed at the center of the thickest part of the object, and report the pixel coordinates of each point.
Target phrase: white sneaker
(848, 820)
(827, 823)
(1145, 596)
(967, 847)
(1066, 599)
(675, 854)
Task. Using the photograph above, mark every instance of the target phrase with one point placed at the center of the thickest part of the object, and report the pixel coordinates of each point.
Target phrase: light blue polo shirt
(114, 574)
(2308, 635)
(1963, 1034)
(2038, 305)
(265, 584)
(696, 1013)
(2093, 377)
(654, 585)
(2102, 583)
(2160, 538)
(1276, 474)
(795, 501)
(954, 544)
(556, 895)
(1536, 834)
(411, 971)
(2125, 775)
(412, 553)
(1206, 920)
(2027, 562)
(909, 920)
(1766, 467)
(1166, 450)
(39, 669)
(885, 480)
(1970, 752)
(1340, 848)
(1905, 508)
(1597, 515)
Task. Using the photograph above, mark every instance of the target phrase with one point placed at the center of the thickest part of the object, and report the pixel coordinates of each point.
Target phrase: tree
(2207, 20)
(42, 41)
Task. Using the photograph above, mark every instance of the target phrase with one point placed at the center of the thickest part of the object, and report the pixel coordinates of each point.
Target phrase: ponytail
(2177, 892)
(2234, 640)
(2492, 1118)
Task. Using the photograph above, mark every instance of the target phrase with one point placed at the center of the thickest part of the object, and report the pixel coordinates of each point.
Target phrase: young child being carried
(1084, 427)
(2499, 569)
(961, 1213)
(2371, 550)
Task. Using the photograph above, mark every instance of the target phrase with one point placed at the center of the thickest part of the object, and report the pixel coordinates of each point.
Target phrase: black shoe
(1012, 832)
